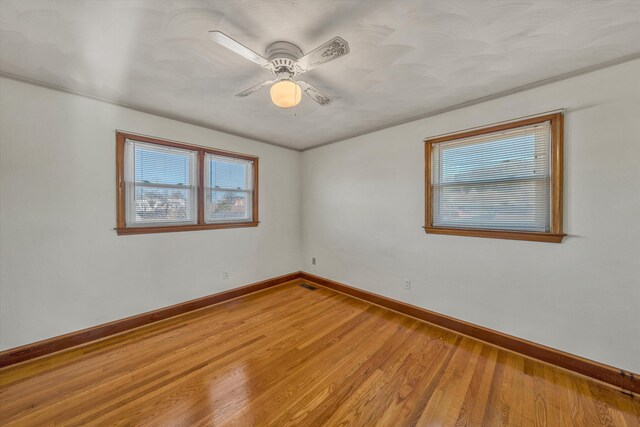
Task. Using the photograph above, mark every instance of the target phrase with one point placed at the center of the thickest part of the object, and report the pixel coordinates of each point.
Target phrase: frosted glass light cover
(286, 94)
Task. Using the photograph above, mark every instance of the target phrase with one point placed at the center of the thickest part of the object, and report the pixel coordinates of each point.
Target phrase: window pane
(511, 206)
(223, 177)
(160, 184)
(229, 205)
(498, 181)
(162, 166)
(510, 157)
(228, 173)
(163, 204)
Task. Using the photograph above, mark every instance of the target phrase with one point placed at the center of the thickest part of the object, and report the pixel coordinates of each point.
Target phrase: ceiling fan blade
(236, 47)
(313, 93)
(255, 88)
(333, 49)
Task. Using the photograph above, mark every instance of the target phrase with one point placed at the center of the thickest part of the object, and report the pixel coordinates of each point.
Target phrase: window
(166, 186)
(504, 181)
(160, 184)
(228, 189)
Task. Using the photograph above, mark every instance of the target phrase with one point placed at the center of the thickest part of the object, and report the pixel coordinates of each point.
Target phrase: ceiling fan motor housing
(282, 56)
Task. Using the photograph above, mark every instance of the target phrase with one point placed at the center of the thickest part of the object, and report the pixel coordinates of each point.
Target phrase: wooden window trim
(555, 235)
(121, 225)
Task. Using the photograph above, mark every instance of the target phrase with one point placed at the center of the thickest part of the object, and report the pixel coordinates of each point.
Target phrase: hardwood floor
(293, 356)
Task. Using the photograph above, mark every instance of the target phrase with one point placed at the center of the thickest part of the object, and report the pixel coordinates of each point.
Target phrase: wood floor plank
(119, 367)
(477, 392)
(293, 356)
(226, 365)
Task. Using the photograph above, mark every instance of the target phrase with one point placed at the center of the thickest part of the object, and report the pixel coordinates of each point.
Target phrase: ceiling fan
(286, 61)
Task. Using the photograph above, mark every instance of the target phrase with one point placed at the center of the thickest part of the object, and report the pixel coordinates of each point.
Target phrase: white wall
(63, 268)
(363, 209)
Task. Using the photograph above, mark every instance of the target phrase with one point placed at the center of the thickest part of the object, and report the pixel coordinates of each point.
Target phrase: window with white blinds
(228, 183)
(501, 180)
(161, 184)
(165, 186)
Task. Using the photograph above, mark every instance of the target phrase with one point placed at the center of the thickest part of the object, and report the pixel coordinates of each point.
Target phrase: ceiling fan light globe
(286, 94)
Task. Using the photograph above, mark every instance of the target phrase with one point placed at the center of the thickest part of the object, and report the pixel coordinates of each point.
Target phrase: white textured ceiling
(408, 58)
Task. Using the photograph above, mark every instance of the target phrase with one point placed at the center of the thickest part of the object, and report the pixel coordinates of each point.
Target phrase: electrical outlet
(313, 261)
(225, 275)
(406, 284)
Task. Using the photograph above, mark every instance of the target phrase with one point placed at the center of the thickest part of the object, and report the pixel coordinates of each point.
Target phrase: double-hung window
(168, 186)
(503, 181)
(228, 188)
(160, 184)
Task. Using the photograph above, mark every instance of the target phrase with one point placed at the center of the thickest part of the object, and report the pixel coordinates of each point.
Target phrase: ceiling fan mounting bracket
(283, 50)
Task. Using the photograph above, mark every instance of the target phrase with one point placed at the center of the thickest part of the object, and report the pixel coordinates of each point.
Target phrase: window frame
(131, 185)
(207, 189)
(555, 235)
(121, 194)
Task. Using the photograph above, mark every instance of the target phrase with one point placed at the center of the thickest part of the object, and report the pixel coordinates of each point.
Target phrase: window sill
(190, 227)
(499, 234)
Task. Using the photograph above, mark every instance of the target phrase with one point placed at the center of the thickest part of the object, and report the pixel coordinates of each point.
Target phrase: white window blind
(495, 181)
(161, 184)
(228, 189)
